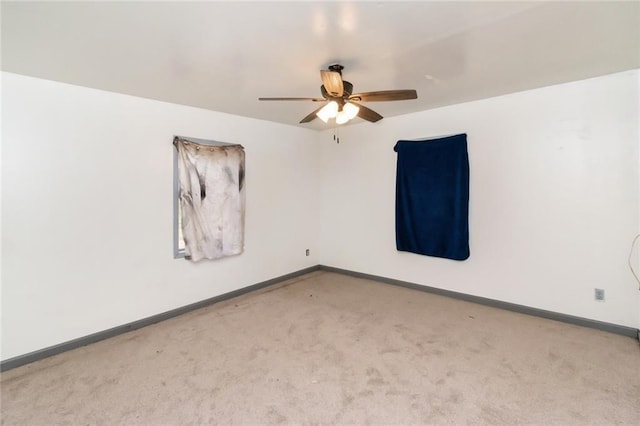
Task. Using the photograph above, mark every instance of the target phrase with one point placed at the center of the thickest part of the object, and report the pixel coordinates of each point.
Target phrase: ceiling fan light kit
(340, 97)
(333, 110)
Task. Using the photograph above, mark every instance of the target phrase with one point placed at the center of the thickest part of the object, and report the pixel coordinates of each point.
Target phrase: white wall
(554, 198)
(87, 209)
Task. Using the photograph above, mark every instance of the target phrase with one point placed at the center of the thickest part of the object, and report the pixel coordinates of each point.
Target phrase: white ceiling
(223, 55)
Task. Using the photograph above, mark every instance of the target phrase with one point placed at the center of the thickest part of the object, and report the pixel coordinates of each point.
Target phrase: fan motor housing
(347, 87)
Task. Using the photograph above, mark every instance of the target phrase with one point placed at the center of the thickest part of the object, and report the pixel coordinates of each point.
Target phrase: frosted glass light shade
(348, 112)
(351, 110)
(328, 111)
(342, 117)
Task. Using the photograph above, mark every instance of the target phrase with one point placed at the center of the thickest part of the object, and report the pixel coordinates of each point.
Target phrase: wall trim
(115, 331)
(121, 329)
(522, 309)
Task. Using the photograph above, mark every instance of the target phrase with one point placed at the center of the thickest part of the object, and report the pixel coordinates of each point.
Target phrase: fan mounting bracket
(336, 68)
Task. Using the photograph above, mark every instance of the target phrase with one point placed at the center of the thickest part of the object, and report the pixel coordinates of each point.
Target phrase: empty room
(320, 213)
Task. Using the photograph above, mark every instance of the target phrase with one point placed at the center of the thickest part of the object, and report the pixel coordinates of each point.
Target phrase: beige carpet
(331, 349)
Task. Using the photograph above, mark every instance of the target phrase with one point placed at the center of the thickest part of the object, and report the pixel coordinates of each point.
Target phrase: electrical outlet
(307, 252)
(599, 294)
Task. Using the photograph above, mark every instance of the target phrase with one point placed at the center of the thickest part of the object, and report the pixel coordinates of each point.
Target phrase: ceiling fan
(343, 104)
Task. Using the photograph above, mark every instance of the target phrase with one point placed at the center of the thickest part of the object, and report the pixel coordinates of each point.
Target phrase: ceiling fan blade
(332, 82)
(293, 99)
(367, 113)
(311, 116)
(385, 95)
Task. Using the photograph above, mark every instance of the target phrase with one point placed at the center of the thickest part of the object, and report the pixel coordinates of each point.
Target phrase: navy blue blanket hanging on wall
(432, 197)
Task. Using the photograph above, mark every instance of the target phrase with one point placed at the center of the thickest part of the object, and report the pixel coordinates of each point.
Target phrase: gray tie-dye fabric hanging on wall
(212, 199)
